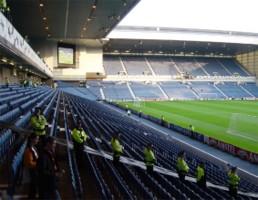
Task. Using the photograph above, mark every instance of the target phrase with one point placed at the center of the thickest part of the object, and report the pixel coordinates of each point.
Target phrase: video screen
(66, 55)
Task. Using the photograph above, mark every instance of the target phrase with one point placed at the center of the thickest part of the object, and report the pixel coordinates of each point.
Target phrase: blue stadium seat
(103, 123)
(4, 108)
(11, 115)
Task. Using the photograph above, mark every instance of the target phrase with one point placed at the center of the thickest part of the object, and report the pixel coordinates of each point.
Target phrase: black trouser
(33, 184)
(79, 152)
(149, 169)
(116, 157)
(116, 160)
(41, 143)
(233, 190)
(52, 194)
(202, 184)
(181, 175)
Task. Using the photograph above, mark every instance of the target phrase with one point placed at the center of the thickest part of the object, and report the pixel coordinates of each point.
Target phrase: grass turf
(211, 118)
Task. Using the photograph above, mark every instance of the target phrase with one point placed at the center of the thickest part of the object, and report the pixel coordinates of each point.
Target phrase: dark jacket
(47, 169)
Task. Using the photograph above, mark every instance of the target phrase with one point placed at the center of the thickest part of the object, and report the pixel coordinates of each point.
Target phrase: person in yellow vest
(233, 180)
(201, 176)
(182, 167)
(6, 82)
(140, 113)
(3, 6)
(162, 120)
(25, 83)
(128, 112)
(116, 148)
(38, 122)
(149, 158)
(79, 138)
(191, 127)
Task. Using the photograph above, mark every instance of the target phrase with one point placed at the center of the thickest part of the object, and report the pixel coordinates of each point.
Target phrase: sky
(229, 15)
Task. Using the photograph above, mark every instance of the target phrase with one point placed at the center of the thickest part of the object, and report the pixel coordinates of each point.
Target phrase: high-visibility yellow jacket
(233, 179)
(3, 5)
(38, 124)
(182, 165)
(117, 148)
(79, 135)
(200, 173)
(192, 128)
(149, 157)
(6, 81)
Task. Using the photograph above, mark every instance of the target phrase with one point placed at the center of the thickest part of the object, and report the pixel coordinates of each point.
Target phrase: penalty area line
(242, 136)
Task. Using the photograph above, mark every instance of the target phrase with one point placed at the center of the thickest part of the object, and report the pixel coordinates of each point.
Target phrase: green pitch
(211, 118)
(64, 58)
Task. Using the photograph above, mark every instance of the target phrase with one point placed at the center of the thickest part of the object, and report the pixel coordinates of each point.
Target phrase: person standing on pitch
(233, 180)
(201, 176)
(182, 167)
(149, 158)
(117, 148)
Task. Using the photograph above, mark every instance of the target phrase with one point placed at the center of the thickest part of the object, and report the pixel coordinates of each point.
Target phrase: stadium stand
(100, 122)
(169, 90)
(189, 66)
(136, 65)
(114, 90)
(233, 67)
(233, 90)
(134, 137)
(112, 65)
(251, 88)
(206, 90)
(212, 67)
(177, 90)
(162, 66)
(134, 72)
(124, 76)
(147, 91)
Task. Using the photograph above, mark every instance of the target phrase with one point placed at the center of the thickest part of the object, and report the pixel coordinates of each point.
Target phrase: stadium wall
(249, 61)
(87, 59)
(12, 42)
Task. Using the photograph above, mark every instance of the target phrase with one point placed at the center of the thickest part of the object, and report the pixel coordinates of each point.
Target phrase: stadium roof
(82, 22)
(199, 27)
(224, 15)
(74, 21)
(164, 29)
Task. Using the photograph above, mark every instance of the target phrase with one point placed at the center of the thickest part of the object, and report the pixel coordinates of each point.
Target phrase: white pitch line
(243, 136)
